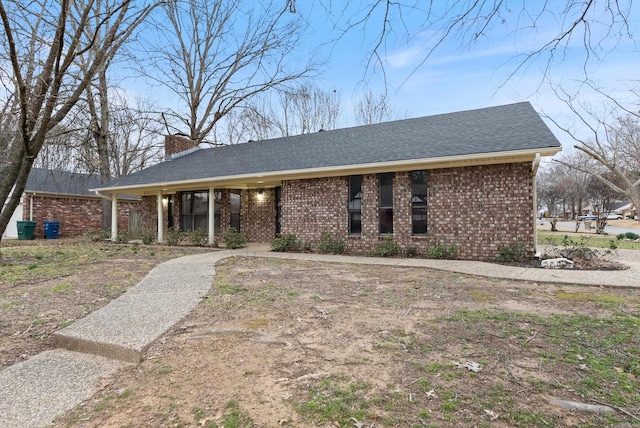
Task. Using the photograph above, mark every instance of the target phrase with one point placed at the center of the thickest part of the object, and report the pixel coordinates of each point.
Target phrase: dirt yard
(302, 344)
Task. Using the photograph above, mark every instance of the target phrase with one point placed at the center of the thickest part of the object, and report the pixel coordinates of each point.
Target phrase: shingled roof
(494, 130)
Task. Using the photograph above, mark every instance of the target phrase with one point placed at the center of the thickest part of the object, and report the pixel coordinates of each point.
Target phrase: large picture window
(194, 209)
(419, 202)
(355, 205)
(385, 213)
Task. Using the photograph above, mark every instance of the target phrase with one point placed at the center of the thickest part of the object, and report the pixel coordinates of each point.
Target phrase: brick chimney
(174, 144)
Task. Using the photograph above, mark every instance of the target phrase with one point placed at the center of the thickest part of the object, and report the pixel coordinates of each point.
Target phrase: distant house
(65, 197)
(465, 179)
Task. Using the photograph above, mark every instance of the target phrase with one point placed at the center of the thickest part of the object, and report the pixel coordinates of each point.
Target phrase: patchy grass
(595, 241)
(346, 351)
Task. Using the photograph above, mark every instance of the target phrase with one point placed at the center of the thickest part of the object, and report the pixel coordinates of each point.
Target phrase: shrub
(148, 237)
(233, 239)
(122, 238)
(621, 236)
(515, 252)
(284, 243)
(98, 235)
(441, 251)
(412, 252)
(631, 235)
(172, 237)
(330, 245)
(385, 248)
(198, 237)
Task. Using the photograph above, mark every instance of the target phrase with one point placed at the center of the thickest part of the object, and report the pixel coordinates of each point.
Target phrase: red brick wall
(478, 209)
(175, 144)
(76, 215)
(258, 217)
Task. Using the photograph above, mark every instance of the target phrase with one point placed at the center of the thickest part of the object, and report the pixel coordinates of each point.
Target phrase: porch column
(534, 167)
(114, 217)
(212, 215)
(160, 218)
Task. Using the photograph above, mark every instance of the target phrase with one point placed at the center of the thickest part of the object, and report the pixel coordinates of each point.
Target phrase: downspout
(31, 206)
(114, 213)
(534, 168)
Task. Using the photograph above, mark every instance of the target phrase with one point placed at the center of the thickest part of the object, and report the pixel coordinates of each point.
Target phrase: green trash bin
(26, 230)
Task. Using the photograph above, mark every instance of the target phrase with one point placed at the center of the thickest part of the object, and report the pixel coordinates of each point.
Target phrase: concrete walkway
(37, 390)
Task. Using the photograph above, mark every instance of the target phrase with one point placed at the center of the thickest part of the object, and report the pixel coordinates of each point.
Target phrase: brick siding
(76, 215)
(479, 209)
(175, 144)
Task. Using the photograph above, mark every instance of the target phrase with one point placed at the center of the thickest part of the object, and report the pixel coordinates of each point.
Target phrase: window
(194, 209)
(419, 202)
(385, 199)
(234, 202)
(355, 205)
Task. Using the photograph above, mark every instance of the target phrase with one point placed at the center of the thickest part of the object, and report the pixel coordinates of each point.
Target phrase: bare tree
(613, 142)
(371, 108)
(135, 136)
(541, 30)
(551, 192)
(213, 56)
(41, 43)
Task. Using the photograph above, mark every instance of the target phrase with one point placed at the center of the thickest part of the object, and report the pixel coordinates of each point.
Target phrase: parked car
(613, 217)
(587, 217)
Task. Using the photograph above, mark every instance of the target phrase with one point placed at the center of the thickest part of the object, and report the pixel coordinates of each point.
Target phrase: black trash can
(51, 229)
(26, 230)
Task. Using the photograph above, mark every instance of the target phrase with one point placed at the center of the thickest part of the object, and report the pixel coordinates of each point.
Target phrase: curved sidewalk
(36, 391)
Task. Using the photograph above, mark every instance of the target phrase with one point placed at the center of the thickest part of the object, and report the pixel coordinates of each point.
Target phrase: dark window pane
(419, 202)
(186, 222)
(386, 220)
(185, 203)
(386, 190)
(419, 221)
(200, 202)
(355, 223)
(355, 204)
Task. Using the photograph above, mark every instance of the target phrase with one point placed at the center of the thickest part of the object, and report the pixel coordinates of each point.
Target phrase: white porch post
(534, 167)
(212, 215)
(160, 219)
(114, 217)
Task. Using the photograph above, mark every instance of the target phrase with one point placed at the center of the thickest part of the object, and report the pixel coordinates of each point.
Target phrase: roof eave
(270, 178)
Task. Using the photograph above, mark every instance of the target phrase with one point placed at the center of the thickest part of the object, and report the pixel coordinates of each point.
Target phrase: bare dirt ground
(284, 343)
(44, 285)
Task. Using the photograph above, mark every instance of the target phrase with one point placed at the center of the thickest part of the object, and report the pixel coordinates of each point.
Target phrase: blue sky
(459, 77)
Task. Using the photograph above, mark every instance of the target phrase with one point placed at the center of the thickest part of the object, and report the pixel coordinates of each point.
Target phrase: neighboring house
(625, 209)
(65, 197)
(465, 179)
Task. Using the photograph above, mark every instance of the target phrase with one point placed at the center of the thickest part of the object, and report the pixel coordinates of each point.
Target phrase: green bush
(98, 235)
(330, 245)
(122, 238)
(631, 235)
(172, 237)
(233, 239)
(441, 251)
(148, 237)
(385, 248)
(411, 251)
(285, 243)
(621, 236)
(515, 252)
(198, 237)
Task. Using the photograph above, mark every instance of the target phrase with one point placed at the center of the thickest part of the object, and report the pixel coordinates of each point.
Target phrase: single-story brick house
(465, 179)
(64, 196)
